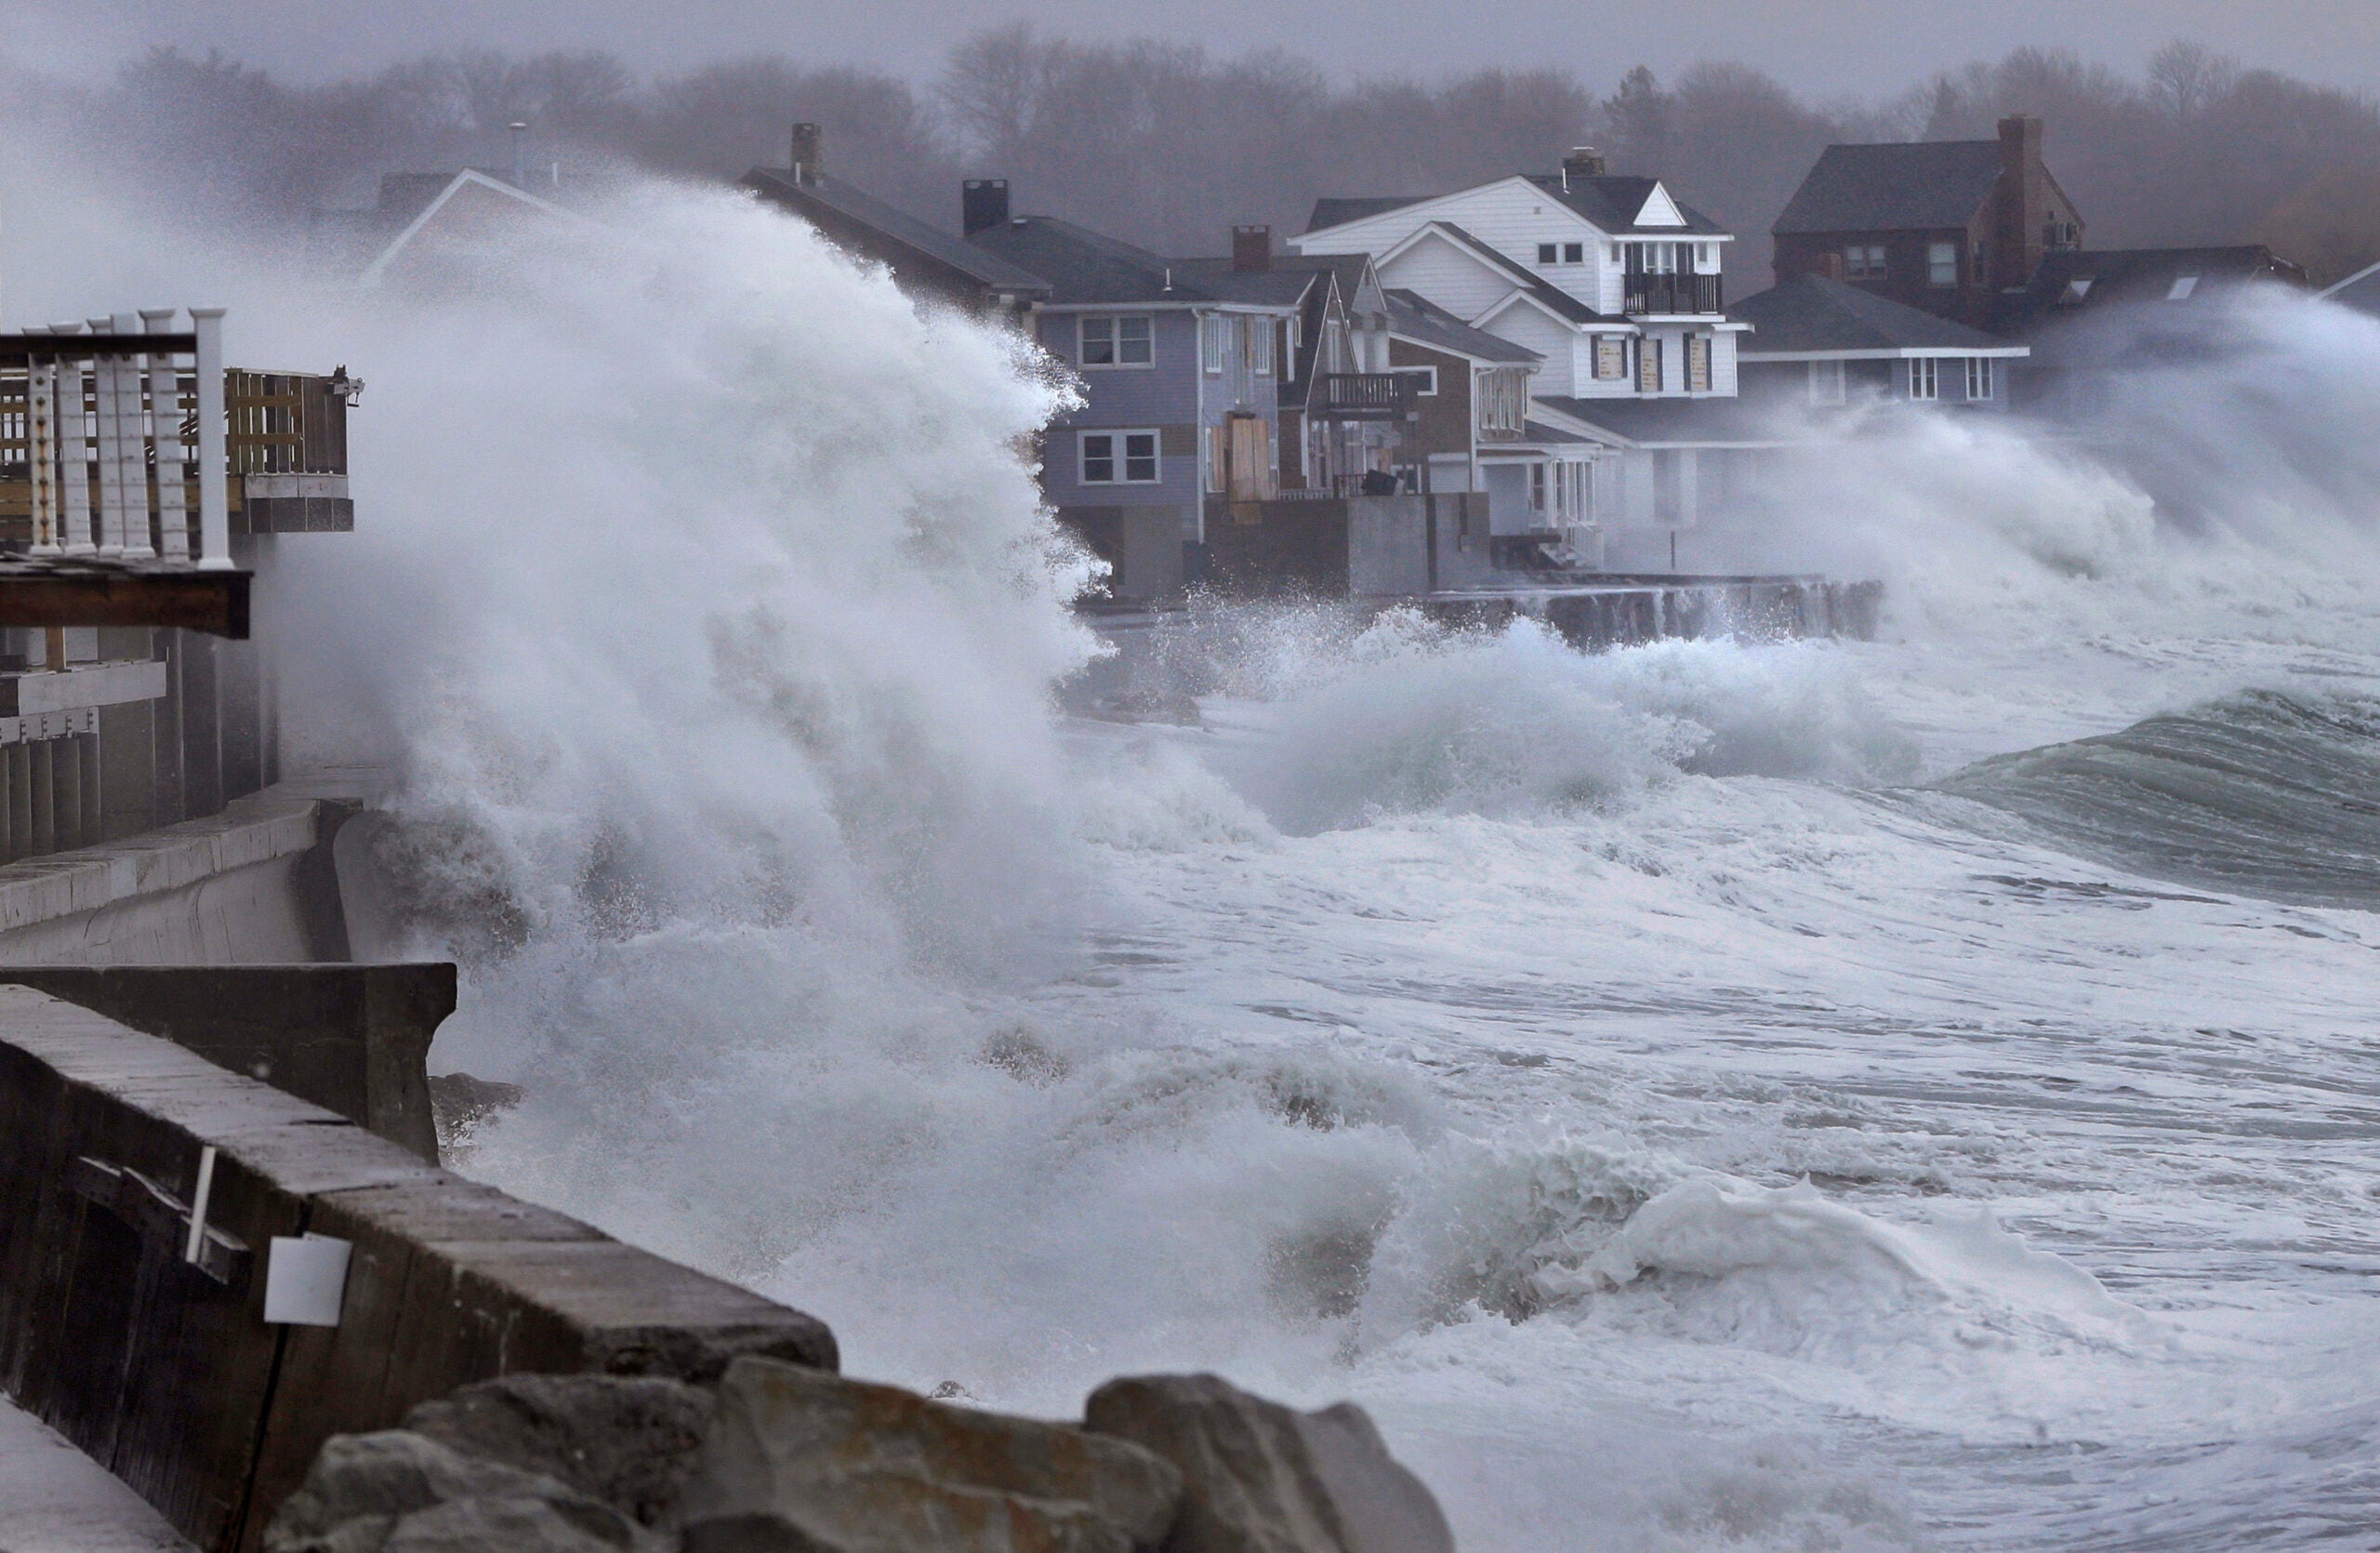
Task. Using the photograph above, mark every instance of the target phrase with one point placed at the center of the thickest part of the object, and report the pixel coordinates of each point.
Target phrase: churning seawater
(1913, 1093)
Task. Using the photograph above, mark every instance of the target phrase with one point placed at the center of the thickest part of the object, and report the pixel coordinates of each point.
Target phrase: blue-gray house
(1181, 362)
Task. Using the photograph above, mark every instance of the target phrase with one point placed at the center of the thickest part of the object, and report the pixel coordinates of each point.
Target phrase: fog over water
(1918, 1094)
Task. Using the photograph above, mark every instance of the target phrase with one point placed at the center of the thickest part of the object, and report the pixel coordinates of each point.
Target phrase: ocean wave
(1417, 718)
(2265, 794)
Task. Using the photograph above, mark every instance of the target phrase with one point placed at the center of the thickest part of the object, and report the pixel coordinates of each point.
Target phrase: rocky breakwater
(780, 1458)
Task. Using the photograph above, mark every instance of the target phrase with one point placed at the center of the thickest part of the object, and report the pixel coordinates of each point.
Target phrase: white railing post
(165, 436)
(214, 498)
(40, 448)
(107, 393)
(132, 446)
(74, 466)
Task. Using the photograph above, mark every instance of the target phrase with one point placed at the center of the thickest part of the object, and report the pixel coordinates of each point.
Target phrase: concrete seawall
(165, 1371)
(252, 885)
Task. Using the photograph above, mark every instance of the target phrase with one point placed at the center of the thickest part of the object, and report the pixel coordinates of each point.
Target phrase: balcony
(1365, 396)
(1664, 294)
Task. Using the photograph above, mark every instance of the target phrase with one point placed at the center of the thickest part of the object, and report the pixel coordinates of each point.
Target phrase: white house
(1611, 281)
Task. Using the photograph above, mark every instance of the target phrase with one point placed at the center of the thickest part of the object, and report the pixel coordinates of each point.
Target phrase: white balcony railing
(111, 428)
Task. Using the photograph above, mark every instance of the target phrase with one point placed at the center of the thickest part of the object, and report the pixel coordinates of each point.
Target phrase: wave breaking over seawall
(1679, 1129)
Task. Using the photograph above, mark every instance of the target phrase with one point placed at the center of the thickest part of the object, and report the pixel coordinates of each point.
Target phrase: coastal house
(1942, 226)
(924, 259)
(2094, 317)
(1181, 362)
(1617, 288)
(143, 485)
(1822, 343)
(423, 225)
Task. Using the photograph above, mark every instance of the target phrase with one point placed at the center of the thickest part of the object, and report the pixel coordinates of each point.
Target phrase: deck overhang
(63, 591)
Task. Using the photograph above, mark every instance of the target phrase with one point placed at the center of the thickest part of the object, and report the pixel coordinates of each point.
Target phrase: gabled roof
(1900, 187)
(1414, 317)
(2360, 291)
(461, 185)
(1668, 423)
(1618, 204)
(2071, 282)
(839, 208)
(1612, 203)
(1083, 267)
(1812, 315)
(1535, 286)
(1339, 212)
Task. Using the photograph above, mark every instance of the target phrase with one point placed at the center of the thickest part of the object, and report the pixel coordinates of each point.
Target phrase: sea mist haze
(1911, 1093)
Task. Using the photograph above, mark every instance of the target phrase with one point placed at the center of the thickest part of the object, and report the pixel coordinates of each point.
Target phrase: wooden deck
(88, 591)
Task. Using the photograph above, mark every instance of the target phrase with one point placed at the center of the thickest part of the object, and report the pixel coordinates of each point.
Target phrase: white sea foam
(1450, 1021)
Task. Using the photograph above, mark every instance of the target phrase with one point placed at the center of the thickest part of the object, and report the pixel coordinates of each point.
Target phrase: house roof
(1900, 187)
(1083, 266)
(1612, 203)
(1282, 286)
(1339, 212)
(444, 191)
(838, 205)
(1414, 317)
(1814, 315)
(1669, 422)
(2072, 281)
(2360, 291)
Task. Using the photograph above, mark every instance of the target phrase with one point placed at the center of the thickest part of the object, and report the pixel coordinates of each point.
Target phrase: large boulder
(799, 1461)
(1261, 1477)
(628, 1440)
(397, 1491)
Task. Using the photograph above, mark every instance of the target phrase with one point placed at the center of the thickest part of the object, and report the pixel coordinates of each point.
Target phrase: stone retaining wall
(165, 1372)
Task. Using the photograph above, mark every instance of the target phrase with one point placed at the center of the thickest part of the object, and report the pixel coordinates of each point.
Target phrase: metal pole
(132, 447)
(74, 468)
(106, 394)
(165, 436)
(41, 449)
(214, 499)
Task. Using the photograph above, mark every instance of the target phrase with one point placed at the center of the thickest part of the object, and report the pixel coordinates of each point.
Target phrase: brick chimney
(983, 205)
(808, 153)
(1582, 162)
(2023, 202)
(1251, 250)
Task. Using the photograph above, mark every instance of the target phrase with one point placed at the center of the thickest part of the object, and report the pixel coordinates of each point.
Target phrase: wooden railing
(117, 443)
(1646, 293)
(1367, 396)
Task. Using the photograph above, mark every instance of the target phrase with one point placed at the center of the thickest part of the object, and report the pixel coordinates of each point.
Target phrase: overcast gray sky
(1830, 47)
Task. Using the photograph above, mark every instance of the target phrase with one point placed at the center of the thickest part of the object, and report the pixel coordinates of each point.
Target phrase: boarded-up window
(1648, 366)
(1698, 364)
(1249, 475)
(1502, 403)
(1611, 357)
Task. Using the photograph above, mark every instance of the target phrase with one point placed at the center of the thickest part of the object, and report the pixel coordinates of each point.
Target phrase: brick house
(1943, 226)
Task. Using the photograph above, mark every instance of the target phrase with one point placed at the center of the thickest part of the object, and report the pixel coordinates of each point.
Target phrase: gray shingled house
(1823, 343)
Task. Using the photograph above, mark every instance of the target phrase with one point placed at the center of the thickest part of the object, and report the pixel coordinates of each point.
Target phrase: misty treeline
(1169, 145)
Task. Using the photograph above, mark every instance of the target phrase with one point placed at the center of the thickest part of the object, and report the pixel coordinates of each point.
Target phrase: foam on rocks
(785, 1459)
(1262, 1478)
